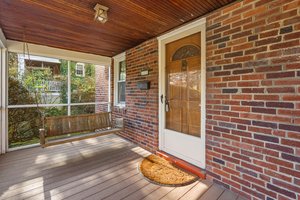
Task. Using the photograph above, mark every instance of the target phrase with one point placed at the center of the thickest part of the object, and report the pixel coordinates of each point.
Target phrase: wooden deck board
(214, 192)
(46, 172)
(140, 194)
(241, 198)
(87, 179)
(92, 188)
(61, 160)
(72, 151)
(65, 175)
(128, 190)
(32, 153)
(179, 192)
(228, 195)
(159, 193)
(197, 191)
(74, 167)
(98, 168)
(99, 184)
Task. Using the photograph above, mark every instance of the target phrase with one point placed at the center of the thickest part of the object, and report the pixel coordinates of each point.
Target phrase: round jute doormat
(159, 171)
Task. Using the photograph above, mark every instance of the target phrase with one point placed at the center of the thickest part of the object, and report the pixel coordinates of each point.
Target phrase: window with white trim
(120, 80)
(79, 70)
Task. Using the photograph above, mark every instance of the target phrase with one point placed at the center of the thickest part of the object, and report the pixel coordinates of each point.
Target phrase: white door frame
(184, 31)
(3, 93)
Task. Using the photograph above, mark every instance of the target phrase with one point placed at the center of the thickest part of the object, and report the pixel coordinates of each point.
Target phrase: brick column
(101, 93)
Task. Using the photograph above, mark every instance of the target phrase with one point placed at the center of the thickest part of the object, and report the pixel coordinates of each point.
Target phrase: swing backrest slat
(62, 125)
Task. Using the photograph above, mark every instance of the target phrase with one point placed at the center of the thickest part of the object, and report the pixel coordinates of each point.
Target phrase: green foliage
(36, 81)
(31, 87)
(55, 111)
(83, 88)
(82, 109)
(17, 93)
(64, 67)
(13, 65)
(23, 123)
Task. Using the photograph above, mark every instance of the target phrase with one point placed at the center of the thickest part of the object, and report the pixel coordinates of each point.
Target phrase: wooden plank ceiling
(69, 24)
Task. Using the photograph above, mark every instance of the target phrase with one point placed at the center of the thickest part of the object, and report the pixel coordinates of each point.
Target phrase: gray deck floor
(98, 168)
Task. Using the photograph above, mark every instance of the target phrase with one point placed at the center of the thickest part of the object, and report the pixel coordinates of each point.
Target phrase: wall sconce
(101, 13)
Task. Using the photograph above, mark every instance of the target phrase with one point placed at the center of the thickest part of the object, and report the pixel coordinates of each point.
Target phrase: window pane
(92, 87)
(82, 109)
(79, 72)
(102, 108)
(122, 71)
(24, 124)
(79, 69)
(36, 79)
(121, 91)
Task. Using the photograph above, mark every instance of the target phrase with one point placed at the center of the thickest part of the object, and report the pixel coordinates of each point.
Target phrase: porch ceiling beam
(52, 52)
(3, 43)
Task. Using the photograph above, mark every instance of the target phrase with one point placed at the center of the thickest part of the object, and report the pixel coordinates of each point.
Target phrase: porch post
(69, 88)
(3, 94)
(2, 40)
(109, 89)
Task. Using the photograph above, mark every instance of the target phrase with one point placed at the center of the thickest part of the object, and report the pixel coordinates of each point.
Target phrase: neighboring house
(51, 88)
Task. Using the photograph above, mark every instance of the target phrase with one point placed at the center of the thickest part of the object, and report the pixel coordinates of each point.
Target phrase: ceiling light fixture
(101, 13)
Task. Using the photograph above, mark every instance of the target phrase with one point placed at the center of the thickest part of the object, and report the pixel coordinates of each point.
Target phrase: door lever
(167, 105)
(162, 98)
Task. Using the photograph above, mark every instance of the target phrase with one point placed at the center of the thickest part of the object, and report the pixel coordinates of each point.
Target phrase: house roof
(40, 58)
(69, 24)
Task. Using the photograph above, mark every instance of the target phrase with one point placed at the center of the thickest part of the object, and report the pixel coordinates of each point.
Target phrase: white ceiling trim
(2, 39)
(51, 52)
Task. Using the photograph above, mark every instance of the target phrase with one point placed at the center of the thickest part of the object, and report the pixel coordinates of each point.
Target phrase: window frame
(83, 69)
(117, 60)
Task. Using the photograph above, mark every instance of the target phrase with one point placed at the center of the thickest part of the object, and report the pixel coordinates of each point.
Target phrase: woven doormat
(159, 171)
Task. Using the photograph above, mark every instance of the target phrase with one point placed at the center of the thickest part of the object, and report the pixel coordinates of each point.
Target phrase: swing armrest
(42, 136)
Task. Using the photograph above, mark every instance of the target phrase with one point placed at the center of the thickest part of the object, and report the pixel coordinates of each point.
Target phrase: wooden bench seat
(95, 124)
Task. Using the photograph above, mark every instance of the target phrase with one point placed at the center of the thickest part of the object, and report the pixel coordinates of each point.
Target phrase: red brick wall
(253, 98)
(102, 80)
(141, 112)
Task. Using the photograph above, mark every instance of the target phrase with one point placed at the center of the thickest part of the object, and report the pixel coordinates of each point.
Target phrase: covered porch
(215, 84)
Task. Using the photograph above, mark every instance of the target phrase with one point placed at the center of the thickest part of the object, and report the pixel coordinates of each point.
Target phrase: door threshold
(183, 164)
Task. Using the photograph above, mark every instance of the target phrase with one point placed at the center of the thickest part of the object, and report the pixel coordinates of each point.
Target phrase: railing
(46, 86)
(53, 86)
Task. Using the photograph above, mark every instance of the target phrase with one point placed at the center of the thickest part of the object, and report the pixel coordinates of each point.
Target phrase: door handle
(167, 105)
(162, 98)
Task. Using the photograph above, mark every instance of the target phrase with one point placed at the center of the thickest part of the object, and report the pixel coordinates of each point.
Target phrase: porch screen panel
(41, 86)
(36, 80)
(89, 88)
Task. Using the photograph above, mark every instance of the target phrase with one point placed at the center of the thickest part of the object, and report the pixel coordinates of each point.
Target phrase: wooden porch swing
(88, 125)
